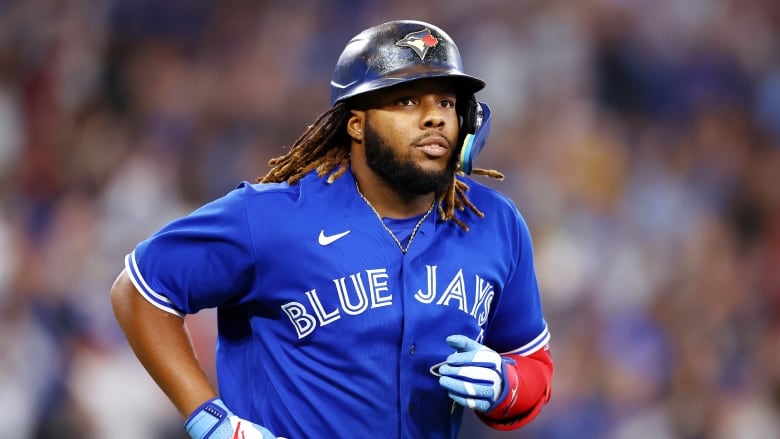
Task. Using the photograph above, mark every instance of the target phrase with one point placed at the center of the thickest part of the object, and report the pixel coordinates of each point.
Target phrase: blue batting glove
(213, 420)
(473, 375)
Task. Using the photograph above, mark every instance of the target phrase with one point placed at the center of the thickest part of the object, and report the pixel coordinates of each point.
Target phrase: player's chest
(374, 288)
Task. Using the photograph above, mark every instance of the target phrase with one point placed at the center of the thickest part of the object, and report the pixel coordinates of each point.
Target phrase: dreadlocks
(324, 146)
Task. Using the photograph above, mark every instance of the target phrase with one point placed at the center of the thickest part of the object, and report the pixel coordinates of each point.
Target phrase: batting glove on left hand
(473, 375)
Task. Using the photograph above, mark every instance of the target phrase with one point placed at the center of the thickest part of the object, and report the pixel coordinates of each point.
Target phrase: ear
(356, 125)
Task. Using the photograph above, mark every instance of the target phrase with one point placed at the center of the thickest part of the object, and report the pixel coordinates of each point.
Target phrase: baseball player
(366, 286)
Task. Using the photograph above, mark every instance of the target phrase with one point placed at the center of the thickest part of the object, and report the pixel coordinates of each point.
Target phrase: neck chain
(395, 238)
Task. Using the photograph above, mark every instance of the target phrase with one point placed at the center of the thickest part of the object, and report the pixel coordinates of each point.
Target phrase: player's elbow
(133, 312)
(121, 296)
(126, 302)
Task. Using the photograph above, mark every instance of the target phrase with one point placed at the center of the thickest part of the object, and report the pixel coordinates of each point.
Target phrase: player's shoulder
(498, 207)
(248, 189)
(281, 193)
(265, 192)
(484, 194)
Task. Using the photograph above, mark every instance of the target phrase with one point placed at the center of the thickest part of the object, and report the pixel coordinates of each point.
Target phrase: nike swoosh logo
(330, 239)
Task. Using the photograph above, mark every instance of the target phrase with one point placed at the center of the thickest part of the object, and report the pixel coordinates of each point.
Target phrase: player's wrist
(509, 389)
(206, 419)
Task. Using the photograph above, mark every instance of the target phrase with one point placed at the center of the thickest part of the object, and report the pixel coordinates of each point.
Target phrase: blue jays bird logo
(420, 41)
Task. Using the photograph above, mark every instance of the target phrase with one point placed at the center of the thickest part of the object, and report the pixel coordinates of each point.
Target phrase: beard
(404, 175)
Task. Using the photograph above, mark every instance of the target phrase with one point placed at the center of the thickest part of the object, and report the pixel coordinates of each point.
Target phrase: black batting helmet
(394, 53)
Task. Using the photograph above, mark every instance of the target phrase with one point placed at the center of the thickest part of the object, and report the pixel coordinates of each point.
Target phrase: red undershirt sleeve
(527, 387)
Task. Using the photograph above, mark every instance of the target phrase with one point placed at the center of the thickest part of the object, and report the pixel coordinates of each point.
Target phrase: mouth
(434, 146)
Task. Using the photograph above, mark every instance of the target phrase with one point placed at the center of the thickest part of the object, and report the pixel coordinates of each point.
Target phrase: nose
(432, 117)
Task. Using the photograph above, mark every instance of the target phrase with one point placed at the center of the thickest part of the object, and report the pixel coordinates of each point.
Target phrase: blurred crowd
(640, 139)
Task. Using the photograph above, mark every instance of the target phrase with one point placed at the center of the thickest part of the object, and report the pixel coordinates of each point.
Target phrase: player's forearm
(163, 346)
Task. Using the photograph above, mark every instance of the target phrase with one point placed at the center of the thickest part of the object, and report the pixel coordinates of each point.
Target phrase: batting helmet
(394, 53)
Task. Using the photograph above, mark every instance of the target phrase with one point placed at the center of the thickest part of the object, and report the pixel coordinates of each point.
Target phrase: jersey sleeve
(518, 325)
(202, 260)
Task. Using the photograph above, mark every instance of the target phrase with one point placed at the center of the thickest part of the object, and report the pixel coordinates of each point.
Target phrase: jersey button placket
(412, 349)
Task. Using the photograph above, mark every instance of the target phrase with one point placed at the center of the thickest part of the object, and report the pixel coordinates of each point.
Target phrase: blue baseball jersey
(326, 329)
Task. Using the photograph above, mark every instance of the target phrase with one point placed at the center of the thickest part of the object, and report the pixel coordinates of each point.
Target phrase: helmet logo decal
(420, 41)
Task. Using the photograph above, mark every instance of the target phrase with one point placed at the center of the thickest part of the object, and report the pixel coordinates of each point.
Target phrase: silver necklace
(395, 238)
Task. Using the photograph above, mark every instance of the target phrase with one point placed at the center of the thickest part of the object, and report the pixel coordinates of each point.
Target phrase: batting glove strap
(506, 400)
(205, 420)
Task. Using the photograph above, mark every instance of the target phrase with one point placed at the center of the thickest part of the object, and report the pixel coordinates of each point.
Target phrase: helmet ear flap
(474, 130)
(467, 110)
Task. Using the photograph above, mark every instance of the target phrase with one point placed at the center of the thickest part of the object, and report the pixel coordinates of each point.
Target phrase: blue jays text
(370, 290)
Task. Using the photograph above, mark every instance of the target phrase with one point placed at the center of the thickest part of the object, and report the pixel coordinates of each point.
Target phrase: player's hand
(213, 420)
(473, 375)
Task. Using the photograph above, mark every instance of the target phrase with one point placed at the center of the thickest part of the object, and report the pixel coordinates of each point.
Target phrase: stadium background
(641, 140)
